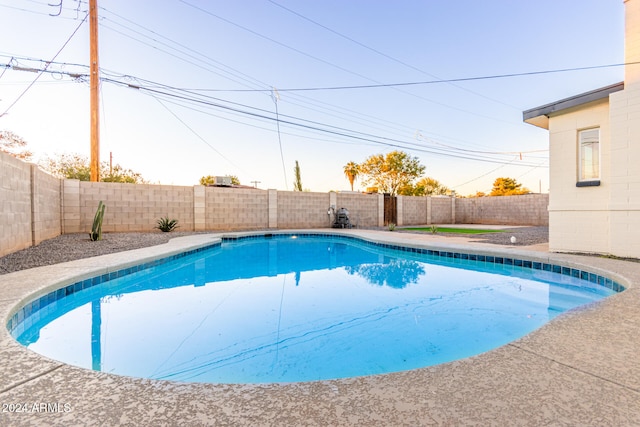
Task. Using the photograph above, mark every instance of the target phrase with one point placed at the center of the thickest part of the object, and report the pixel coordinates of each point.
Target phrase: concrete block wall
(273, 208)
(46, 205)
(70, 206)
(199, 208)
(302, 209)
(441, 212)
(36, 206)
(15, 204)
(133, 207)
(528, 209)
(365, 210)
(236, 209)
(414, 210)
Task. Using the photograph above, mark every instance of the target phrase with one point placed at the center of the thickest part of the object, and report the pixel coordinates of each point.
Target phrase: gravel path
(70, 247)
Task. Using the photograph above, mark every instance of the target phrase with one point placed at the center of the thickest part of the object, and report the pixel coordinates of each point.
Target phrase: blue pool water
(298, 308)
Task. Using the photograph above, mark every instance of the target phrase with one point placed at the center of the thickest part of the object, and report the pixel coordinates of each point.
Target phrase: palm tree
(351, 171)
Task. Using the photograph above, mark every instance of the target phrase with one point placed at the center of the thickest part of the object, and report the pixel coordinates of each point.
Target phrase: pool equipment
(341, 219)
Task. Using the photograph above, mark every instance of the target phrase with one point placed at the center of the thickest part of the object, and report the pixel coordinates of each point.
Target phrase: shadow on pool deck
(580, 369)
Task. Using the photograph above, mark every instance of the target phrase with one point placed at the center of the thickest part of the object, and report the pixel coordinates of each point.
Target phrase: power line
(195, 60)
(286, 46)
(485, 174)
(196, 133)
(376, 51)
(305, 124)
(333, 130)
(46, 66)
(308, 55)
(340, 112)
(368, 135)
(376, 84)
(276, 97)
(230, 72)
(35, 12)
(517, 153)
(429, 82)
(268, 112)
(267, 129)
(197, 56)
(6, 67)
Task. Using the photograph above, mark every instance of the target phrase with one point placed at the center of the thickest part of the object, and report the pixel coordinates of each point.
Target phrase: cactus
(96, 230)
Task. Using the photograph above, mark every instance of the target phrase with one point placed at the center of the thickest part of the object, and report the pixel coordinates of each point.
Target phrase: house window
(589, 156)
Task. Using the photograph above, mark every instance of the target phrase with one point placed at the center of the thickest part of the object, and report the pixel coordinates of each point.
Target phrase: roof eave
(539, 116)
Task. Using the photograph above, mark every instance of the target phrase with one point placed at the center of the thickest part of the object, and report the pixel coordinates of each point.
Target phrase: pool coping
(581, 368)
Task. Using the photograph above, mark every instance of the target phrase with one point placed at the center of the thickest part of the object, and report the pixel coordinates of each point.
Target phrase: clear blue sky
(232, 53)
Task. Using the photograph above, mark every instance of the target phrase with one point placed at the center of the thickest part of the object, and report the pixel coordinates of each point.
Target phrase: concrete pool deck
(582, 368)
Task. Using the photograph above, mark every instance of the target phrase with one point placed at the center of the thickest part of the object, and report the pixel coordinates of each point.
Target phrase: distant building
(594, 155)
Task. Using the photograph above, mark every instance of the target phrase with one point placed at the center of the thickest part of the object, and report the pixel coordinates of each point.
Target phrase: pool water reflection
(291, 308)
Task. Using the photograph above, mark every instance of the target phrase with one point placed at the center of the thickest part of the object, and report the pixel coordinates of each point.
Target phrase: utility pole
(94, 83)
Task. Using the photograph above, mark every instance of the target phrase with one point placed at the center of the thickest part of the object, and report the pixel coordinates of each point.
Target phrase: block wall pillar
(70, 206)
(273, 208)
(35, 214)
(333, 203)
(199, 208)
(453, 210)
(333, 199)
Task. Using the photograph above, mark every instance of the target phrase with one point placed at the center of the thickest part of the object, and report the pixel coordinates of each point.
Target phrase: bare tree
(14, 145)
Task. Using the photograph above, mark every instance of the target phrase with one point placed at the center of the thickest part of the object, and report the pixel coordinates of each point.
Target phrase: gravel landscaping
(70, 247)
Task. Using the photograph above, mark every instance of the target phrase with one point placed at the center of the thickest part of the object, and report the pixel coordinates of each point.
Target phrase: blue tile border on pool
(39, 303)
(536, 265)
(58, 294)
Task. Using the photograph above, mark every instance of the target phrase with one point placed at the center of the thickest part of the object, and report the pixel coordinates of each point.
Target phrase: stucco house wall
(602, 218)
(624, 202)
(578, 216)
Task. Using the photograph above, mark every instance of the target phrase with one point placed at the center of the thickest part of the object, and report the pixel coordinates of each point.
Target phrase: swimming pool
(297, 308)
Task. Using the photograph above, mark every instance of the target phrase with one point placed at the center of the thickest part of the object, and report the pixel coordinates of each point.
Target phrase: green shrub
(166, 224)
